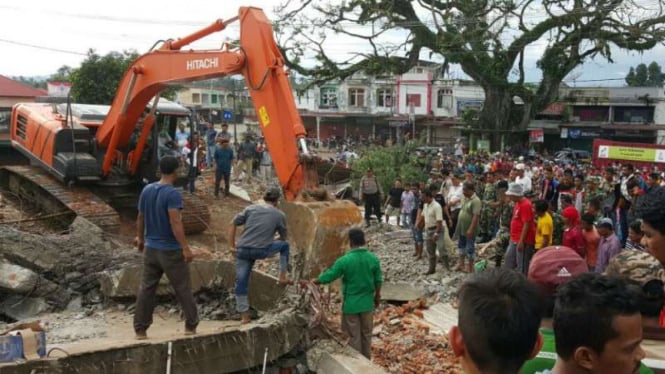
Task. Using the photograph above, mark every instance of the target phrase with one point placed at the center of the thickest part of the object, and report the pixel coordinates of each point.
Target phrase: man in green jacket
(360, 271)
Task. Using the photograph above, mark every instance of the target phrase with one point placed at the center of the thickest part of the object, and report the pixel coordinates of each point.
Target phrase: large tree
(487, 38)
(656, 76)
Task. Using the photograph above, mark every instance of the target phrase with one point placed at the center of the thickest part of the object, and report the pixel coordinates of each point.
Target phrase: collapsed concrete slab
(328, 357)
(401, 292)
(227, 351)
(208, 274)
(318, 231)
(21, 308)
(124, 283)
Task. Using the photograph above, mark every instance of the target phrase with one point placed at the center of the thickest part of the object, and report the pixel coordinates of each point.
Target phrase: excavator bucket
(319, 231)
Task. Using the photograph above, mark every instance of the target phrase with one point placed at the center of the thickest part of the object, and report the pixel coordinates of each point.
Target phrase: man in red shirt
(522, 231)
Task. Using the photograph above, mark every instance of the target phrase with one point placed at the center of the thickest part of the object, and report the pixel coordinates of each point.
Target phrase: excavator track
(36, 187)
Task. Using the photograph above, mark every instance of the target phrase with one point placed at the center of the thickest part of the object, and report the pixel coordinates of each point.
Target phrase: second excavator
(83, 153)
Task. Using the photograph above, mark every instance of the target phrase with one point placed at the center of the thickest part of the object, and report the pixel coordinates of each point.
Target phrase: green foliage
(656, 76)
(63, 74)
(31, 81)
(641, 75)
(97, 79)
(645, 76)
(390, 163)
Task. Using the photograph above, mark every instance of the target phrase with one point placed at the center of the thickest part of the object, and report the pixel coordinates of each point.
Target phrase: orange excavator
(83, 152)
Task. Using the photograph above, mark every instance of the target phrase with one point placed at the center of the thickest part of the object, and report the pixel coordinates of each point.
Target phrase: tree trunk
(497, 116)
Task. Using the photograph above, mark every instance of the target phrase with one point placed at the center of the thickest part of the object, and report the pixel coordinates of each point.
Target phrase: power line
(42, 47)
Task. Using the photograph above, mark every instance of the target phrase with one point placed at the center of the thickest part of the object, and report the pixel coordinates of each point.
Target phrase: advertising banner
(536, 136)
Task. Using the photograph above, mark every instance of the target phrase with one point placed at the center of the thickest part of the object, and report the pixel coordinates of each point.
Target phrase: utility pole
(235, 114)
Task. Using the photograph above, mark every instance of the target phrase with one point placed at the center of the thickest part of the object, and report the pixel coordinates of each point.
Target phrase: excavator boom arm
(260, 62)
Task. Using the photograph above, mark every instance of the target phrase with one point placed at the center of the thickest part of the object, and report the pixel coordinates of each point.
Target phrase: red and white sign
(536, 136)
(58, 89)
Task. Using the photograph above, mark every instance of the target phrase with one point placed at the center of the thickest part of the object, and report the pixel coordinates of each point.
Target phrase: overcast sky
(38, 36)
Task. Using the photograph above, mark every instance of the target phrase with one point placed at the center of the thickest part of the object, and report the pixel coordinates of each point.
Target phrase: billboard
(58, 89)
(607, 152)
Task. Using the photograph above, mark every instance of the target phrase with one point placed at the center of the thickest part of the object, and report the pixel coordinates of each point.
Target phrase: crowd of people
(523, 205)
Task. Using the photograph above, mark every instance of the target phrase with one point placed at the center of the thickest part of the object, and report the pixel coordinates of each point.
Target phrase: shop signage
(536, 136)
(631, 153)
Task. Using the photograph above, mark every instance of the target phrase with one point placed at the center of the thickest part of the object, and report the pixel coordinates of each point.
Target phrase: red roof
(12, 88)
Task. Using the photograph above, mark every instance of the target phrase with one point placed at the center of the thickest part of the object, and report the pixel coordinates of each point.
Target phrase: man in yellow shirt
(544, 225)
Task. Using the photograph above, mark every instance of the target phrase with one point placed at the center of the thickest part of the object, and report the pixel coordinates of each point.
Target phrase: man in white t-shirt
(523, 179)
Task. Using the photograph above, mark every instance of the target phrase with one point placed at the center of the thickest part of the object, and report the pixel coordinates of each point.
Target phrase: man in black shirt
(393, 201)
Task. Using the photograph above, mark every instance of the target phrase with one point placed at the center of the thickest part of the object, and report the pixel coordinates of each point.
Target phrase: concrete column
(429, 134)
(373, 129)
(318, 129)
(345, 129)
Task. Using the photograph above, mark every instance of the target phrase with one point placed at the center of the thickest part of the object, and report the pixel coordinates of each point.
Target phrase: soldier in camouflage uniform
(488, 216)
(557, 229)
(592, 191)
(638, 266)
(479, 183)
(505, 214)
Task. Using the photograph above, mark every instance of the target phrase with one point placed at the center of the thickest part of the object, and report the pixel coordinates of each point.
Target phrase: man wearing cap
(648, 272)
(261, 222)
(609, 245)
(522, 230)
(550, 267)
(522, 179)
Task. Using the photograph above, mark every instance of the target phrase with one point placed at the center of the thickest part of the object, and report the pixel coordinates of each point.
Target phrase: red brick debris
(403, 342)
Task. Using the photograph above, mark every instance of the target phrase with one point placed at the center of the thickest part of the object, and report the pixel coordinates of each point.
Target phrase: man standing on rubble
(360, 271)
(257, 242)
(160, 231)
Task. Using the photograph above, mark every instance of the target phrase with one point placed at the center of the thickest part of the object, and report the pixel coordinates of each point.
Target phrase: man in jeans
(257, 242)
(360, 271)
(522, 231)
(161, 233)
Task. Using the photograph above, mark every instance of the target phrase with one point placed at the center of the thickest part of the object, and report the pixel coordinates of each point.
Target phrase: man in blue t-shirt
(161, 236)
(223, 160)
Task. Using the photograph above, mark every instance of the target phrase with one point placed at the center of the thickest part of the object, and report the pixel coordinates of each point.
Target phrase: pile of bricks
(403, 343)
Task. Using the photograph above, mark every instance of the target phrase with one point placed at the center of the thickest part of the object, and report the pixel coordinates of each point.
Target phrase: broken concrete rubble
(20, 307)
(328, 357)
(401, 292)
(18, 280)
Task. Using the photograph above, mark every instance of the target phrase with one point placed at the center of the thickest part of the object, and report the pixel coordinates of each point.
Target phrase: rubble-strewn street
(89, 278)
